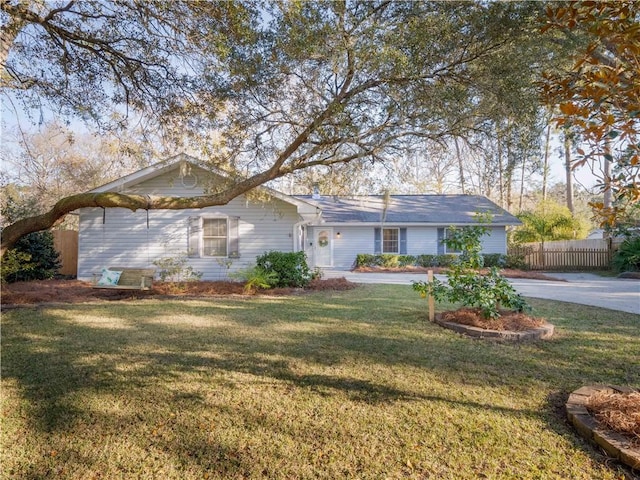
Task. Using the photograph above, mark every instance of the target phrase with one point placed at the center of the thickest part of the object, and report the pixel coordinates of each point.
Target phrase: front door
(323, 247)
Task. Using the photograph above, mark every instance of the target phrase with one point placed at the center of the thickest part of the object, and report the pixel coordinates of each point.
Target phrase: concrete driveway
(583, 288)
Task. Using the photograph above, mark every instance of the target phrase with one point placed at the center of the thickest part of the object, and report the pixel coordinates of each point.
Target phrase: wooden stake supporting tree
(432, 300)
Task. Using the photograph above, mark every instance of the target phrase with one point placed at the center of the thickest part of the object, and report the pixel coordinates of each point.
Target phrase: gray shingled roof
(408, 209)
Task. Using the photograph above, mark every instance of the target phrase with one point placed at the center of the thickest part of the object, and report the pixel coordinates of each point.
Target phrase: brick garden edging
(542, 332)
(613, 443)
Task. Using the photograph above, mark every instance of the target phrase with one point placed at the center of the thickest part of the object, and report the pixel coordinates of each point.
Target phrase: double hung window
(214, 237)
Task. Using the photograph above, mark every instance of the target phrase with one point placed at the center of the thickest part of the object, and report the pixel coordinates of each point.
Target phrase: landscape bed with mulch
(619, 412)
(505, 272)
(76, 291)
(508, 320)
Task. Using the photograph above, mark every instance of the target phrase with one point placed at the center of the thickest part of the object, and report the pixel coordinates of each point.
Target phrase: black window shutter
(377, 240)
(440, 240)
(403, 241)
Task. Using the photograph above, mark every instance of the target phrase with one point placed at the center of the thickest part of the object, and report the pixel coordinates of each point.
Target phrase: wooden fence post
(432, 301)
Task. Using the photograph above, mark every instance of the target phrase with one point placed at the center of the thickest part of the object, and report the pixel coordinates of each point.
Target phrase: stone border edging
(542, 332)
(615, 444)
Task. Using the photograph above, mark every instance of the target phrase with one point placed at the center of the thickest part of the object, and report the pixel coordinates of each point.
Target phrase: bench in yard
(124, 278)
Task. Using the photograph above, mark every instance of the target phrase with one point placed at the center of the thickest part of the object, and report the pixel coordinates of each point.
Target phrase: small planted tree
(466, 283)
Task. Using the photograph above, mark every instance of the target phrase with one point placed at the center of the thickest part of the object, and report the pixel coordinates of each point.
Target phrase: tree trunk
(521, 187)
(545, 167)
(608, 200)
(460, 166)
(8, 34)
(568, 170)
(500, 172)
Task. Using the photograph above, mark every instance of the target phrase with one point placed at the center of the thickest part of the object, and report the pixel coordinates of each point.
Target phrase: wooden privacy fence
(565, 255)
(66, 244)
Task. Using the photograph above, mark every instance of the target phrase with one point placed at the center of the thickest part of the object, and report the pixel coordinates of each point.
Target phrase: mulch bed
(505, 272)
(76, 291)
(508, 320)
(619, 412)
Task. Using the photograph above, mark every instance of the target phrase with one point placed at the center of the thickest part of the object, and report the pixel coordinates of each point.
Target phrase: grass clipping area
(619, 412)
(328, 385)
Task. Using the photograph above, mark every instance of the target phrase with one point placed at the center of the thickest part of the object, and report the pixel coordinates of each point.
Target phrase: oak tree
(258, 90)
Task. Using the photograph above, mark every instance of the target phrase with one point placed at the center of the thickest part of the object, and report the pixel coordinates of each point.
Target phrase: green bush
(465, 283)
(627, 257)
(256, 278)
(447, 259)
(406, 260)
(290, 267)
(495, 260)
(426, 261)
(516, 261)
(32, 258)
(366, 260)
(392, 260)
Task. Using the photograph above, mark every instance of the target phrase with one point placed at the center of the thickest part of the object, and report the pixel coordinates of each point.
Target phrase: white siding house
(222, 239)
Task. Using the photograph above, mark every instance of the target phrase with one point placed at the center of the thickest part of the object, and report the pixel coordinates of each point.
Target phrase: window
(214, 237)
(447, 249)
(390, 240)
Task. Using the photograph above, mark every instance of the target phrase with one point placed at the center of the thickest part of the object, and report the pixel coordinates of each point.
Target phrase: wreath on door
(323, 241)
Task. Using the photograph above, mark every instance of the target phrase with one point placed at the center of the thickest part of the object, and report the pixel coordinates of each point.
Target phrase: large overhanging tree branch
(321, 84)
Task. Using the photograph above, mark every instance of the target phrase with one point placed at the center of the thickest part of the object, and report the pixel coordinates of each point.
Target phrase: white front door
(323, 247)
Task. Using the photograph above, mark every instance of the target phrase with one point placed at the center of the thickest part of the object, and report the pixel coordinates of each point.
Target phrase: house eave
(410, 224)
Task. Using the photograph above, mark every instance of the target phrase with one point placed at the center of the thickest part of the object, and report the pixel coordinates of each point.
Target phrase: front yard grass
(329, 385)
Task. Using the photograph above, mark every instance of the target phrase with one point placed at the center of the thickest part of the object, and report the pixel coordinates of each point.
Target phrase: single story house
(221, 239)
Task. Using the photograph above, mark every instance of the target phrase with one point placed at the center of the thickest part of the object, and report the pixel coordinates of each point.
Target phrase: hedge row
(390, 260)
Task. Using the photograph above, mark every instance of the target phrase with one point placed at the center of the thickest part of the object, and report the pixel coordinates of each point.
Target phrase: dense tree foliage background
(359, 96)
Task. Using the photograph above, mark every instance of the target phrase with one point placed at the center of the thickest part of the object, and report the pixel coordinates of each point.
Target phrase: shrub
(465, 284)
(426, 261)
(366, 260)
(389, 260)
(14, 262)
(627, 257)
(446, 260)
(406, 260)
(256, 278)
(290, 267)
(516, 261)
(175, 269)
(495, 260)
(32, 258)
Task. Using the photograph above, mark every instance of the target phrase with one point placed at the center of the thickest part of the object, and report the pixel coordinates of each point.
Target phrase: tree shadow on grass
(56, 356)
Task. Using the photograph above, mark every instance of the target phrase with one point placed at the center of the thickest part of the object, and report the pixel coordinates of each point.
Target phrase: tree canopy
(600, 95)
(547, 222)
(264, 90)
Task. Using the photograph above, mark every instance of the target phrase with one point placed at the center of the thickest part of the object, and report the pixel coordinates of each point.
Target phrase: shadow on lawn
(55, 355)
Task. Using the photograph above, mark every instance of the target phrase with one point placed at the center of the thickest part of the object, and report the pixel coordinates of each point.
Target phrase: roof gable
(180, 162)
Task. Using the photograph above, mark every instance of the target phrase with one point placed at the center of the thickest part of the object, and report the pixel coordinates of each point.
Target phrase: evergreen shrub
(32, 258)
(291, 268)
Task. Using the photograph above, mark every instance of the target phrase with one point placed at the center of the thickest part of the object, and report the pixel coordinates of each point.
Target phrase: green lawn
(335, 385)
